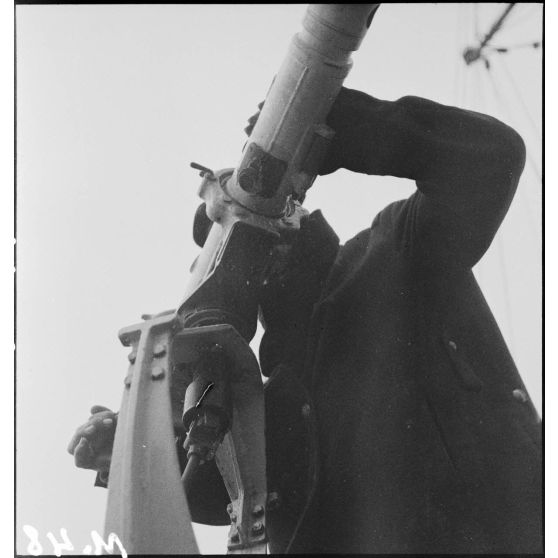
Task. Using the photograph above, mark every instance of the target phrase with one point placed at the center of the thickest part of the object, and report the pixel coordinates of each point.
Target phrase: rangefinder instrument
(191, 370)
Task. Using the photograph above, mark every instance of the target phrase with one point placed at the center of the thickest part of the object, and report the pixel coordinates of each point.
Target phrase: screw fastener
(159, 350)
(157, 373)
(128, 381)
(258, 511)
(132, 357)
(257, 528)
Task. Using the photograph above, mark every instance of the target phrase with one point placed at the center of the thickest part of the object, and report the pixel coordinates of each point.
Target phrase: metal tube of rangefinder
(293, 117)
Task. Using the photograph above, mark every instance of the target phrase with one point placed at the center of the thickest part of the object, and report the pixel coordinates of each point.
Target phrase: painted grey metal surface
(146, 506)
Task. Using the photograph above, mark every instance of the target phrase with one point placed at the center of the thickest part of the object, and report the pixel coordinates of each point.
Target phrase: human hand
(91, 445)
(341, 119)
(253, 119)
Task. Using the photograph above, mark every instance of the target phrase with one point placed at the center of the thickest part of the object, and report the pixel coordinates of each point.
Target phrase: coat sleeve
(466, 167)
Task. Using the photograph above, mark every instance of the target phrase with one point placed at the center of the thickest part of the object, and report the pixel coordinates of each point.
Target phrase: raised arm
(466, 165)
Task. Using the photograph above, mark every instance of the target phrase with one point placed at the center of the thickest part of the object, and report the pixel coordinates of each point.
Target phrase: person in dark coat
(396, 420)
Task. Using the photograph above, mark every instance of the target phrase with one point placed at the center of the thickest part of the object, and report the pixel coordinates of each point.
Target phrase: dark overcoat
(408, 429)
(396, 420)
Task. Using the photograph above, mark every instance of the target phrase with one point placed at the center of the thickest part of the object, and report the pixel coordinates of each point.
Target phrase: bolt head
(306, 410)
(157, 373)
(229, 508)
(235, 538)
(258, 511)
(128, 381)
(257, 528)
(159, 350)
(132, 357)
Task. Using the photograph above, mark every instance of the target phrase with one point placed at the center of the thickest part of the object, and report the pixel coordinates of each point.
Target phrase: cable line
(523, 219)
(522, 194)
(504, 104)
(476, 19)
(505, 50)
(521, 100)
(522, 17)
(497, 25)
(472, 54)
(505, 287)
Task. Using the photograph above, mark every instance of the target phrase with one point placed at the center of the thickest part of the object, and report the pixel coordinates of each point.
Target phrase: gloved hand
(91, 445)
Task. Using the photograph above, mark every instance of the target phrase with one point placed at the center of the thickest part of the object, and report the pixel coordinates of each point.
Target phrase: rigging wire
(480, 106)
(505, 287)
(465, 75)
(467, 31)
(476, 19)
(460, 41)
(473, 53)
(486, 270)
(510, 114)
(532, 226)
(505, 50)
(480, 97)
(499, 240)
(497, 25)
(525, 205)
(520, 98)
(522, 16)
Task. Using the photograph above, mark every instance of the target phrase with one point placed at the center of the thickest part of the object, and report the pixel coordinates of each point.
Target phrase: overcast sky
(114, 101)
